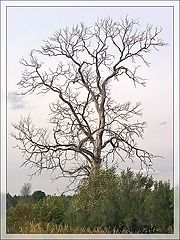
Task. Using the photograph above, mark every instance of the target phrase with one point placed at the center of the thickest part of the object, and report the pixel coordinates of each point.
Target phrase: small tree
(89, 128)
(96, 202)
(133, 191)
(26, 190)
(38, 195)
(160, 205)
(11, 201)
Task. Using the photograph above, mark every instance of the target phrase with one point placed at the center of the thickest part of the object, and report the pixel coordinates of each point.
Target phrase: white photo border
(4, 6)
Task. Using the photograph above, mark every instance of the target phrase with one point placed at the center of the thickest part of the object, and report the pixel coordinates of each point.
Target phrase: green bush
(95, 204)
(38, 196)
(49, 210)
(19, 215)
(160, 205)
(130, 203)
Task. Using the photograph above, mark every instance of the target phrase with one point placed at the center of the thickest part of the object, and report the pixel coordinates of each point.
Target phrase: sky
(27, 27)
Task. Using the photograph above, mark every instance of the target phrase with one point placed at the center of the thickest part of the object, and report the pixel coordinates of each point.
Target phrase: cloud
(16, 101)
(163, 123)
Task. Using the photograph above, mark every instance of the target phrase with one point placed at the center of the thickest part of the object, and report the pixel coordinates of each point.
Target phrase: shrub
(95, 204)
(103, 203)
(48, 210)
(19, 215)
(38, 196)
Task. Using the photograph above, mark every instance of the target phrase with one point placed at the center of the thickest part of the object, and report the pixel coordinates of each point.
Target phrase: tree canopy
(78, 65)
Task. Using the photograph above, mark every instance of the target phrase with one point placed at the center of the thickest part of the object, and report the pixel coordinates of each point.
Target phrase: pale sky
(27, 27)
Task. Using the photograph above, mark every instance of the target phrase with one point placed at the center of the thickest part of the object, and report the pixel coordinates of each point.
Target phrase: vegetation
(38, 195)
(104, 203)
(89, 131)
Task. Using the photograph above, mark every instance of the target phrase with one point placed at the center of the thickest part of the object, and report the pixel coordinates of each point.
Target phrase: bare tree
(25, 190)
(89, 127)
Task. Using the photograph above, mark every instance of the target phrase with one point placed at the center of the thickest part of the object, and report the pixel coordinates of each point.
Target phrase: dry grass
(32, 228)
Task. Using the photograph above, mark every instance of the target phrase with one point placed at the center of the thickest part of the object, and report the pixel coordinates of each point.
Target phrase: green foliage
(19, 215)
(11, 201)
(160, 205)
(52, 209)
(48, 210)
(121, 202)
(38, 195)
(104, 202)
(134, 189)
(95, 203)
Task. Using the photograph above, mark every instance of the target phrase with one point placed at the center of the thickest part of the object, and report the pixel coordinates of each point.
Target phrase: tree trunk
(95, 166)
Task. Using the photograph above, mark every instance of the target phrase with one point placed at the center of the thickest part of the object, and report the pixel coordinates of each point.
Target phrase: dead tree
(89, 127)
(25, 190)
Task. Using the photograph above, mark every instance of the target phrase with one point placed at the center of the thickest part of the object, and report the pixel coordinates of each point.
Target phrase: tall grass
(50, 228)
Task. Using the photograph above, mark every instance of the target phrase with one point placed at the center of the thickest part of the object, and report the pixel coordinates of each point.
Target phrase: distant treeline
(104, 203)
